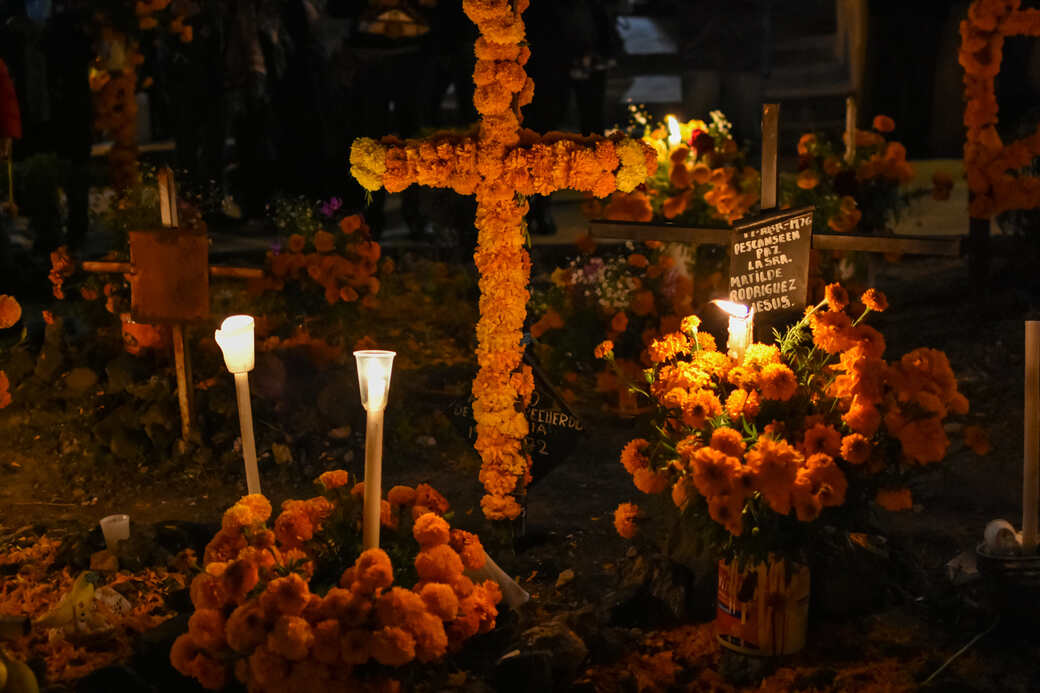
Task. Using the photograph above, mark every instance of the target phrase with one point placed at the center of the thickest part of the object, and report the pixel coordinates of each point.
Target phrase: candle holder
(374, 368)
(235, 338)
(115, 528)
(741, 327)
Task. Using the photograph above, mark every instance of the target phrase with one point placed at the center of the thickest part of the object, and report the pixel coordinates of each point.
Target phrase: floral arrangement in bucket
(298, 606)
(760, 453)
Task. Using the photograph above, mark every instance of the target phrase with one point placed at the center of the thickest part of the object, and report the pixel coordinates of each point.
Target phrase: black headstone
(769, 265)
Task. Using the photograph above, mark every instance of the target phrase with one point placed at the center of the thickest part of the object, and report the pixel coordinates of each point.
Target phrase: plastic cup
(116, 528)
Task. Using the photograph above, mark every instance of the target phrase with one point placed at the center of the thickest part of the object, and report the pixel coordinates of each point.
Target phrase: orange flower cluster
(257, 620)
(62, 267)
(499, 165)
(784, 430)
(343, 265)
(5, 390)
(115, 113)
(992, 166)
(10, 311)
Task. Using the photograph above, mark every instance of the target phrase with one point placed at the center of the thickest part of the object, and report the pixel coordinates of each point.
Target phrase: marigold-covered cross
(501, 164)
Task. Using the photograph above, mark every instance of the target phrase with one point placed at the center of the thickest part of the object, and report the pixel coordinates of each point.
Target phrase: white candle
(374, 367)
(741, 327)
(1030, 475)
(674, 134)
(235, 338)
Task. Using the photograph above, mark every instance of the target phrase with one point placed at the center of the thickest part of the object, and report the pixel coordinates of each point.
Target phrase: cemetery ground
(605, 614)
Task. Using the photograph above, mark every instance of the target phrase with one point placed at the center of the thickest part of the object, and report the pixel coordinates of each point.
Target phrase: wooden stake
(1031, 468)
(770, 139)
(180, 357)
(850, 129)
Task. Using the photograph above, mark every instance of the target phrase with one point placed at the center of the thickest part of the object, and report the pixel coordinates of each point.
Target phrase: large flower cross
(501, 164)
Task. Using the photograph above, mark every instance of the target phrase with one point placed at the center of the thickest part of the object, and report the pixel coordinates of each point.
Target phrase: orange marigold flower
(604, 350)
(626, 519)
(649, 481)
(699, 407)
(633, 457)
(324, 242)
(392, 646)
(291, 638)
(638, 260)
(334, 478)
(855, 448)
(286, 595)
(349, 225)
(728, 440)
(469, 548)
(821, 438)
(894, 499)
(668, 347)
(326, 647)
(837, 297)
(728, 510)
(207, 592)
(441, 600)
(862, 417)
(431, 530)
(373, 571)
(10, 311)
(206, 628)
(183, 653)
(246, 627)
(500, 507)
(829, 482)
(356, 646)
(808, 179)
(712, 470)
(775, 466)
(240, 578)
(438, 563)
(258, 505)
(976, 438)
(882, 123)
(643, 303)
(401, 495)
(296, 243)
(619, 323)
(924, 440)
(743, 403)
(777, 382)
(429, 497)
(269, 670)
(293, 527)
(874, 300)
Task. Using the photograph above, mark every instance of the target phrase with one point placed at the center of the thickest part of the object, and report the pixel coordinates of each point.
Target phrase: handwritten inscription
(769, 262)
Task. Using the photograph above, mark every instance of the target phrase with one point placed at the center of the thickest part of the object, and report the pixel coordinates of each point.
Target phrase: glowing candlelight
(674, 135)
(235, 339)
(374, 369)
(741, 327)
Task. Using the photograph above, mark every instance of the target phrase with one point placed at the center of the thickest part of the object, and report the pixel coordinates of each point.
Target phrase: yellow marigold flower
(759, 355)
(10, 311)
(633, 171)
(668, 347)
(604, 350)
(626, 517)
(777, 382)
(368, 163)
(690, 324)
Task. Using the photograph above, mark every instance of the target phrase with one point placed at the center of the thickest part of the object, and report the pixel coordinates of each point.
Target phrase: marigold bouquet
(760, 451)
(275, 608)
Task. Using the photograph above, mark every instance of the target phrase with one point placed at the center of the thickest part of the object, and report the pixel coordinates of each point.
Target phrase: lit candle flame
(737, 310)
(674, 136)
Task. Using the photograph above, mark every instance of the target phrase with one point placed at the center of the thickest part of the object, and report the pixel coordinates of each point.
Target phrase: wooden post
(770, 140)
(850, 129)
(181, 361)
(1031, 463)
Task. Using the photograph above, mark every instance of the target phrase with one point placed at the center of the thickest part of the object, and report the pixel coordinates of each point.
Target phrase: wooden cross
(169, 275)
(500, 165)
(762, 230)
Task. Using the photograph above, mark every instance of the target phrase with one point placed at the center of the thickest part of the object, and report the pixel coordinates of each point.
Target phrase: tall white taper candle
(1030, 476)
(245, 420)
(373, 478)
